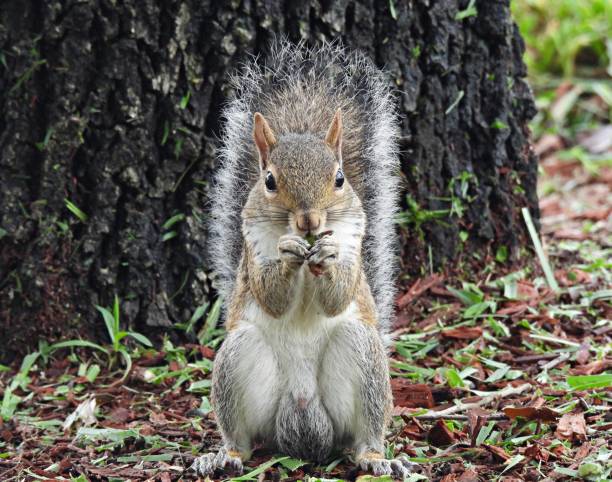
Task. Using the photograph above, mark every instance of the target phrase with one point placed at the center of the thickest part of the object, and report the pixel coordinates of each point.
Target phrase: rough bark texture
(113, 105)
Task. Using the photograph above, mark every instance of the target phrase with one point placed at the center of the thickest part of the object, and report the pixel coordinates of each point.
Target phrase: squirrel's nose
(308, 221)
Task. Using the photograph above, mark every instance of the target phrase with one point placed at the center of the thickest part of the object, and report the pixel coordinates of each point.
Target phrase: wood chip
(477, 418)
(572, 426)
(537, 453)
(419, 287)
(469, 475)
(542, 414)
(440, 435)
(498, 452)
(411, 395)
(463, 333)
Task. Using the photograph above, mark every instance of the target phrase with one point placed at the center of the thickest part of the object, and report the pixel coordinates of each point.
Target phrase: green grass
(569, 59)
(116, 334)
(565, 38)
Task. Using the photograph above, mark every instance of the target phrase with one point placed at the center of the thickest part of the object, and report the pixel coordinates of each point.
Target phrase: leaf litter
(497, 379)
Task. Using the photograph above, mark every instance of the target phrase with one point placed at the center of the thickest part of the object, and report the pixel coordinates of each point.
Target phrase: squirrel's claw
(402, 467)
(292, 249)
(206, 464)
(322, 255)
(399, 468)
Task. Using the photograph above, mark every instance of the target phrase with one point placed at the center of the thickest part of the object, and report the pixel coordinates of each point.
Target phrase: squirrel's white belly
(306, 358)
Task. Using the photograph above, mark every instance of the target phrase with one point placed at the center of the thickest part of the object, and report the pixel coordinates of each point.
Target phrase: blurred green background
(569, 56)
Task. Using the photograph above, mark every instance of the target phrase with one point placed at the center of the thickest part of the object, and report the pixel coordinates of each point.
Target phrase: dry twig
(463, 407)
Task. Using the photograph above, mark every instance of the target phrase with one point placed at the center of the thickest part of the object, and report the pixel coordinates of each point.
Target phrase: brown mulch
(448, 370)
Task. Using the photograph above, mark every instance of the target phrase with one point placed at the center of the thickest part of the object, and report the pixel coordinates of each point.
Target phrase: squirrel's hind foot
(206, 464)
(375, 463)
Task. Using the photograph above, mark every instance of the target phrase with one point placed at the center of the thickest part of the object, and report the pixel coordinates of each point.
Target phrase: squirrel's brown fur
(298, 90)
(303, 368)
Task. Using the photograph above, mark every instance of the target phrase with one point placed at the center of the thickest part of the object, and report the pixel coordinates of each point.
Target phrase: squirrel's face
(301, 175)
(304, 178)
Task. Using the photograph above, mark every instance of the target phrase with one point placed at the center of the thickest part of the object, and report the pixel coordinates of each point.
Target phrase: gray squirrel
(304, 245)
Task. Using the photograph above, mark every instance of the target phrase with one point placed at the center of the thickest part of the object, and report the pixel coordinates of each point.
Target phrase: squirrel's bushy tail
(298, 89)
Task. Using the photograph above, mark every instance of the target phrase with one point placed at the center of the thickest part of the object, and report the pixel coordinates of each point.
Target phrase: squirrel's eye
(339, 178)
(270, 182)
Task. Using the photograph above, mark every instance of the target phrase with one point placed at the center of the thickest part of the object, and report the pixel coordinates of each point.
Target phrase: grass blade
(140, 338)
(252, 475)
(116, 313)
(588, 382)
(535, 239)
(74, 209)
(76, 344)
(109, 321)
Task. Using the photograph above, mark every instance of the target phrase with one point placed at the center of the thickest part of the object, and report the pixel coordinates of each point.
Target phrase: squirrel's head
(301, 175)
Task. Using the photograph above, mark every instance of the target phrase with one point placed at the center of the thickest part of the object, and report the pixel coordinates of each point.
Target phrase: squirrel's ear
(334, 136)
(264, 139)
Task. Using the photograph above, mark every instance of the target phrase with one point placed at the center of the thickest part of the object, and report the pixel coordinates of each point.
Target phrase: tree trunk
(110, 109)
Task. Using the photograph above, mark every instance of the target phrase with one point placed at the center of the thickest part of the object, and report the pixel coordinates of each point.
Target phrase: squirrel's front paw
(323, 255)
(292, 249)
(206, 464)
(375, 463)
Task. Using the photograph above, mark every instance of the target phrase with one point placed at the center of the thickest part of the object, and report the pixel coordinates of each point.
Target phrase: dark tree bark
(113, 106)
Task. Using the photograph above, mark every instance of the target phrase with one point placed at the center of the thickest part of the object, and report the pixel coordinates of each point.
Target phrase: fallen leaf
(572, 426)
